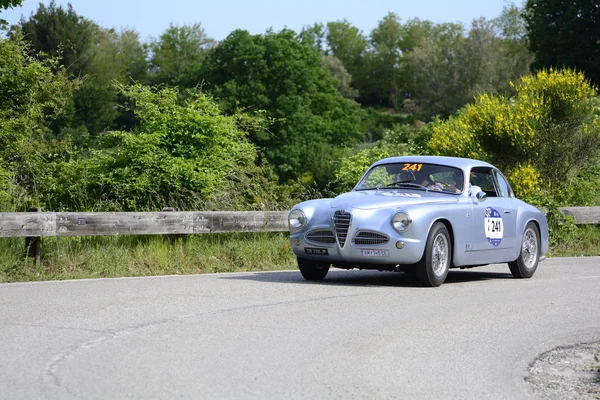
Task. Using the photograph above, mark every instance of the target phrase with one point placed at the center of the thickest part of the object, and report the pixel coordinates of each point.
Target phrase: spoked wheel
(529, 257)
(312, 270)
(433, 268)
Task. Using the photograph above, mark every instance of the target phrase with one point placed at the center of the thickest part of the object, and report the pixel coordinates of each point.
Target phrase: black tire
(433, 268)
(312, 270)
(529, 256)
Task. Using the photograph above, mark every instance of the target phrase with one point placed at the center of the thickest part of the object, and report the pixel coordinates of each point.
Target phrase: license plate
(375, 253)
(316, 252)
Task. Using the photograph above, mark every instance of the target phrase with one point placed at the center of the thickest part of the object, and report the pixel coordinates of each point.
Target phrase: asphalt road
(273, 335)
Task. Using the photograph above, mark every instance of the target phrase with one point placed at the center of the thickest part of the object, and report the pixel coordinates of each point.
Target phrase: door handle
(507, 211)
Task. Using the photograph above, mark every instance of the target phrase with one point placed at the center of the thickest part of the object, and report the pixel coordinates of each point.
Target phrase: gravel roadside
(567, 372)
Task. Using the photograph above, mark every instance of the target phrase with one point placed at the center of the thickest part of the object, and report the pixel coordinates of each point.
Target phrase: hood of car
(373, 199)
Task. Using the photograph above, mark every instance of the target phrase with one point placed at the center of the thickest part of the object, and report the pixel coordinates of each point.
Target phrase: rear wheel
(433, 268)
(313, 270)
(529, 257)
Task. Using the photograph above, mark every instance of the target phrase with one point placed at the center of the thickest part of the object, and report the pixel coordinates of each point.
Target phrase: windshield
(420, 176)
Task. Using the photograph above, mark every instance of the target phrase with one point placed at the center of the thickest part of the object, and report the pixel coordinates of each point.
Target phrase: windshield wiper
(406, 183)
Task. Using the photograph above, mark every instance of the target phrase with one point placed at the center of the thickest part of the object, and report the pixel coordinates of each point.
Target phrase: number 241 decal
(494, 225)
(412, 167)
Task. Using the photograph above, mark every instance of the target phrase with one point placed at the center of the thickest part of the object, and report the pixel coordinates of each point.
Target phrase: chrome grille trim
(369, 238)
(341, 222)
(324, 236)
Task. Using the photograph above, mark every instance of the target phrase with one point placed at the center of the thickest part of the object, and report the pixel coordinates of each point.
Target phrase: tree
(314, 36)
(449, 66)
(276, 73)
(118, 57)
(6, 4)
(97, 56)
(33, 93)
(335, 66)
(432, 68)
(178, 53)
(348, 44)
(564, 33)
(60, 33)
(386, 59)
(63, 34)
(123, 53)
(414, 31)
(512, 32)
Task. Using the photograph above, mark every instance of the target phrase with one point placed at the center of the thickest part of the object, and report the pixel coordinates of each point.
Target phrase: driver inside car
(451, 184)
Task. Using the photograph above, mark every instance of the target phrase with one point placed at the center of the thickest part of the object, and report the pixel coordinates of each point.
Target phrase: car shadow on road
(367, 278)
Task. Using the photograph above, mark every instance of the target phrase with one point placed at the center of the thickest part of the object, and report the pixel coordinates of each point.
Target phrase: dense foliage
(33, 93)
(181, 153)
(277, 74)
(94, 119)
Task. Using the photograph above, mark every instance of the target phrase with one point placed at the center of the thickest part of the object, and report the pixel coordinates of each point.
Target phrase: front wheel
(312, 270)
(529, 257)
(433, 268)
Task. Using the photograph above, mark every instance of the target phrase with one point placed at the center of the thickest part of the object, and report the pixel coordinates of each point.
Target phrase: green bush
(183, 153)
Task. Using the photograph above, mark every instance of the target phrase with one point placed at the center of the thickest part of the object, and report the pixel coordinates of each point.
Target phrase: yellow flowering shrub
(550, 125)
(525, 180)
(552, 89)
(455, 138)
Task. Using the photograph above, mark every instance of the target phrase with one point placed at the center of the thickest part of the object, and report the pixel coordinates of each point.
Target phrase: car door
(494, 219)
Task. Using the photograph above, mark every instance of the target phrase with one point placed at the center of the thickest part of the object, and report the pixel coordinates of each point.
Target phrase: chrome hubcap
(439, 255)
(529, 249)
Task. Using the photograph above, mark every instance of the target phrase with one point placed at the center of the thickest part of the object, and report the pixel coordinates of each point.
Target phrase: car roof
(462, 163)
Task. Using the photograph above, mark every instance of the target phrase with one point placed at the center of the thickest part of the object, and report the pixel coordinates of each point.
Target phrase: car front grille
(321, 236)
(341, 222)
(370, 238)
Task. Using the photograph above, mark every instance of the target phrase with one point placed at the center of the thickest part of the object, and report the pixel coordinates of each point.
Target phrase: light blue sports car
(421, 215)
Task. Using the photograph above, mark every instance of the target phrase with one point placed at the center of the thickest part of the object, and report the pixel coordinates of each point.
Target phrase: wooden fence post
(33, 245)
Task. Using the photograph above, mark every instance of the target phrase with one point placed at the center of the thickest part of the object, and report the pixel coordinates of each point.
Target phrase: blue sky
(219, 17)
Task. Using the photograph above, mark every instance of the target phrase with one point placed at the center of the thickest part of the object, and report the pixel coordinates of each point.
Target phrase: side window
(483, 178)
(503, 186)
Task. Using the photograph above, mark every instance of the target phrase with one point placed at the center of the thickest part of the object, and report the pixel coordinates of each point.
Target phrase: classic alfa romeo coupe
(422, 215)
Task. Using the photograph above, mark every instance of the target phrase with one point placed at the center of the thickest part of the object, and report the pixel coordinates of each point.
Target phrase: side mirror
(481, 196)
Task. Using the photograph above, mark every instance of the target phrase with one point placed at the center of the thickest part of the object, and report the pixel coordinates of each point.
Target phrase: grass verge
(118, 256)
(102, 257)
(575, 241)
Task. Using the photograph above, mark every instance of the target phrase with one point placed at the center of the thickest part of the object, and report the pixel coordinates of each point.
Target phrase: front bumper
(388, 254)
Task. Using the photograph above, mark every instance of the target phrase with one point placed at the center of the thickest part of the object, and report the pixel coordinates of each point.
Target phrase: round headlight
(297, 219)
(401, 222)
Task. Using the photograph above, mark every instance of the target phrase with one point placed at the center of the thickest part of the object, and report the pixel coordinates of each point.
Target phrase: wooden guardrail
(583, 215)
(34, 225)
(40, 224)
